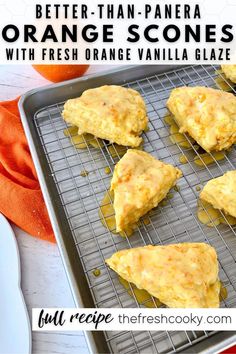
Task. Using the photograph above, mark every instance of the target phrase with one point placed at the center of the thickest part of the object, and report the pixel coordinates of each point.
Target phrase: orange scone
(220, 192)
(206, 114)
(139, 183)
(183, 275)
(114, 113)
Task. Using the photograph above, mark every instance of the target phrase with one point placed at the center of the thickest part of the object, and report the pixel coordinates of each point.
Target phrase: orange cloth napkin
(21, 200)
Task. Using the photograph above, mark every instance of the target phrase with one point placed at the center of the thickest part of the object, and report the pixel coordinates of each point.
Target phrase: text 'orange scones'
(221, 193)
(183, 275)
(206, 114)
(114, 113)
(230, 72)
(139, 183)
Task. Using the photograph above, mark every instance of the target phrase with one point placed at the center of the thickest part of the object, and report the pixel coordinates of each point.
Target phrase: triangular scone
(229, 71)
(221, 193)
(206, 114)
(183, 275)
(110, 112)
(139, 183)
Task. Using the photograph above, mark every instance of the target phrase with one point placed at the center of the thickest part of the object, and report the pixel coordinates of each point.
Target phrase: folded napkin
(21, 199)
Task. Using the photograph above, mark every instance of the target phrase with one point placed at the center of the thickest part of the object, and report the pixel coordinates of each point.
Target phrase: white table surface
(44, 281)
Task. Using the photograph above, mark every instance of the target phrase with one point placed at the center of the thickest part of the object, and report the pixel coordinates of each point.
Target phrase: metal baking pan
(73, 201)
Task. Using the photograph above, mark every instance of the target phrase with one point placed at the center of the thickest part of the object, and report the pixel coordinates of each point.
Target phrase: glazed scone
(183, 275)
(114, 113)
(221, 193)
(139, 183)
(206, 114)
(230, 72)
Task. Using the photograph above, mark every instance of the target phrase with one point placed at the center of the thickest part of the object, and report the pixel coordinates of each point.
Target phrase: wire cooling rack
(176, 221)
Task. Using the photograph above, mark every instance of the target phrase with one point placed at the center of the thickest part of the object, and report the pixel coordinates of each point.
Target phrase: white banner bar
(117, 319)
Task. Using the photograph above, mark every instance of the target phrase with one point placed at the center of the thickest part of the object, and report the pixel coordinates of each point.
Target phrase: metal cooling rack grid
(174, 222)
